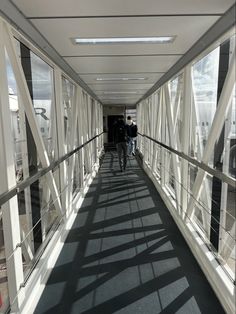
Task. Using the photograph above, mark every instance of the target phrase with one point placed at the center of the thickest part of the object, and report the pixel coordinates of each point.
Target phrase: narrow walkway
(124, 254)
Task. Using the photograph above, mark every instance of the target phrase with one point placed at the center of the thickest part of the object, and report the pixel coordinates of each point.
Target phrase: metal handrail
(216, 173)
(6, 196)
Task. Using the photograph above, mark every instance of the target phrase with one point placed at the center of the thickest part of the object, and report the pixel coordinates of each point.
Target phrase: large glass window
(205, 83)
(176, 98)
(17, 142)
(68, 92)
(43, 101)
(17, 122)
(228, 200)
(37, 210)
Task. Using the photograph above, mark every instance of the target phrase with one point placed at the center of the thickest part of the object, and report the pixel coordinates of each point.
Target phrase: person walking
(132, 134)
(120, 140)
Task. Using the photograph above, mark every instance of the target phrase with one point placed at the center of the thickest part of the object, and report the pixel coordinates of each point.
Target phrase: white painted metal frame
(216, 128)
(10, 216)
(29, 111)
(25, 165)
(61, 134)
(187, 97)
(197, 145)
(173, 142)
(16, 240)
(185, 207)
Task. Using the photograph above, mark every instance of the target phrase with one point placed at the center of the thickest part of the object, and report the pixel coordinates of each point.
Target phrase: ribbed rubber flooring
(125, 254)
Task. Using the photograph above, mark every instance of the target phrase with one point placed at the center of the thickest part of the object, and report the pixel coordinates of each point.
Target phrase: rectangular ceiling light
(124, 40)
(121, 79)
(118, 97)
(118, 92)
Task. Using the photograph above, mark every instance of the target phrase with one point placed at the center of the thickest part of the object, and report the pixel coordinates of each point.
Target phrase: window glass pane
(176, 98)
(16, 142)
(43, 101)
(68, 91)
(228, 193)
(4, 294)
(173, 85)
(39, 216)
(232, 137)
(17, 122)
(205, 82)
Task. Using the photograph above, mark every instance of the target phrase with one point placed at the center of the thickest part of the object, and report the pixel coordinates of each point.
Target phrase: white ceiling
(59, 21)
(120, 7)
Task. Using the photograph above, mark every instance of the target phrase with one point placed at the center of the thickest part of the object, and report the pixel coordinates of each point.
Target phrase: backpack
(132, 130)
(120, 133)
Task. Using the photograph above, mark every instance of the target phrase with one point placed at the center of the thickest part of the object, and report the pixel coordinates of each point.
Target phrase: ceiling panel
(121, 7)
(161, 26)
(117, 86)
(59, 21)
(121, 87)
(118, 102)
(120, 94)
(120, 99)
(122, 65)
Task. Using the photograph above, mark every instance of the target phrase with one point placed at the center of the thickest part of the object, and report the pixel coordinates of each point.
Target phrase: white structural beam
(163, 137)
(96, 122)
(173, 142)
(73, 135)
(219, 271)
(223, 238)
(61, 134)
(176, 110)
(81, 139)
(10, 213)
(158, 129)
(25, 166)
(29, 110)
(216, 128)
(196, 144)
(17, 238)
(155, 127)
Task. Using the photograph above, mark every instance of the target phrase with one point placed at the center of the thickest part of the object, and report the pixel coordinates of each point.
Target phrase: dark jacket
(119, 131)
(132, 130)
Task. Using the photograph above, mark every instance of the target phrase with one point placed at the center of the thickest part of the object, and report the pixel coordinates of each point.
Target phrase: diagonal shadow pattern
(124, 254)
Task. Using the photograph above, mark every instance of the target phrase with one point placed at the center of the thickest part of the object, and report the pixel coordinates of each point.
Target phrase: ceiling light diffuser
(121, 79)
(118, 92)
(119, 97)
(124, 40)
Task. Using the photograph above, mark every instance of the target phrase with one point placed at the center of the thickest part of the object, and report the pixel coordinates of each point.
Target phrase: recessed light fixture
(119, 97)
(118, 92)
(124, 40)
(121, 79)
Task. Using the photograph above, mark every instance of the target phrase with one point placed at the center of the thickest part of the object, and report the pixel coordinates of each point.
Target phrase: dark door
(110, 121)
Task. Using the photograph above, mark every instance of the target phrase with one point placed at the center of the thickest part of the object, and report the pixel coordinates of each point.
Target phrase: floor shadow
(124, 254)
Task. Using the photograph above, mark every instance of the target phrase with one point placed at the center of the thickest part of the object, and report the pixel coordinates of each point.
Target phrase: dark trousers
(122, 154)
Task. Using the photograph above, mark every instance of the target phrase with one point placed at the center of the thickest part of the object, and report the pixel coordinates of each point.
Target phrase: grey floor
(124, 254)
